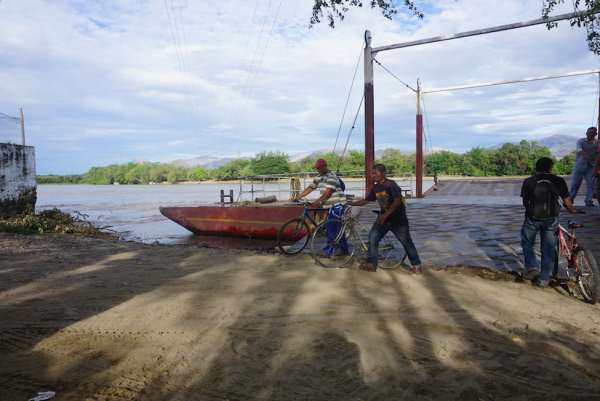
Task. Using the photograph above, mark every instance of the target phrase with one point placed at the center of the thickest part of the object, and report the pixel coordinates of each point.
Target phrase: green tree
(96, 175)
(586, 19)
(197, 174)
(334, 10)
(564, 165)
(396, 162)
(58, 179)
(139, 174)
(230, 171)
(270, 163)
(443, 162)
(476, 162)
(354, 161)
(158, 173)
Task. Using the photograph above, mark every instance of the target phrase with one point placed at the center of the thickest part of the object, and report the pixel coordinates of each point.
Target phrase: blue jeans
(401, 232)
(547, 229)
(334, 224)
(581, 171)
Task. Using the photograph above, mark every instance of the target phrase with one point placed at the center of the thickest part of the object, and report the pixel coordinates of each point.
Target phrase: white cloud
(113, 81)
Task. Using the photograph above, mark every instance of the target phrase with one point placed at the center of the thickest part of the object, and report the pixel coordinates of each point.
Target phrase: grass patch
(52, 221)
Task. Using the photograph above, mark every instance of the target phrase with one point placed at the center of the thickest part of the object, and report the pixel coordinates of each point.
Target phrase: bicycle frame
(308, 212)
(352, 227)
(566, 242)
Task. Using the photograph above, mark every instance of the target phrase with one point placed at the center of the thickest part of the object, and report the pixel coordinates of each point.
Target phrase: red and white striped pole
(419, 151)
(369, 114)
(598, 122)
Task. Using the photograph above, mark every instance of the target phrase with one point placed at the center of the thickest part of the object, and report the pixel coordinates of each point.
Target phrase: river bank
(96, 319)
(133, 210)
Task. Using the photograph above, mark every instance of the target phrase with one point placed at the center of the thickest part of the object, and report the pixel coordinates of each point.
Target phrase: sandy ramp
(102, 320)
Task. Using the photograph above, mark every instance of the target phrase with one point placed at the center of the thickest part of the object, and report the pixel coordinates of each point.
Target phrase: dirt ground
(104, 320)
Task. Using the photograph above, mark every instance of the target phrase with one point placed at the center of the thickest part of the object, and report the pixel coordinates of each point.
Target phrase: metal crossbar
(484, 31)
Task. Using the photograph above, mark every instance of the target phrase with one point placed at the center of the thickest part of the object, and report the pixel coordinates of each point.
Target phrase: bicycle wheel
(561, 271)
(293, 236)
(391, 253)
(330, 253)
(588, 279)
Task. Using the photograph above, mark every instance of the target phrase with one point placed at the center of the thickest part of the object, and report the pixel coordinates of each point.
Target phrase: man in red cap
(332, 195)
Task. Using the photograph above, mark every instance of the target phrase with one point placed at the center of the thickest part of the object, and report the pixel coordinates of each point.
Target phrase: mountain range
(559, 145)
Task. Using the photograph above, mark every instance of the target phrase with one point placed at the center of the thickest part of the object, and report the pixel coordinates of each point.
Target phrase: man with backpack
(540, 194)
(332, 195)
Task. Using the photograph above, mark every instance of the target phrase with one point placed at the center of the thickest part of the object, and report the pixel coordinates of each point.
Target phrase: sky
(104, 81)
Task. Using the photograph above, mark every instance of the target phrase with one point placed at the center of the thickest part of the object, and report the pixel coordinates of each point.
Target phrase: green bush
(50, 221)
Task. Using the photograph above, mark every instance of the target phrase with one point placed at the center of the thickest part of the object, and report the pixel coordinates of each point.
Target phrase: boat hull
(236, 221)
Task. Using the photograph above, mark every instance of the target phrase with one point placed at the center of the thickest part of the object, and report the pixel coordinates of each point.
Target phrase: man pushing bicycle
(392, 217)
(332, 194)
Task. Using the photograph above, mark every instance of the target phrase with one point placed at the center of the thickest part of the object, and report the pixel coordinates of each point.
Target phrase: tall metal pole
(369, 113)
(22, 127)
(419, 153)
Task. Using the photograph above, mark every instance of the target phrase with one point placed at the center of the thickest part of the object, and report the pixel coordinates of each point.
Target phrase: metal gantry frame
(369, 93)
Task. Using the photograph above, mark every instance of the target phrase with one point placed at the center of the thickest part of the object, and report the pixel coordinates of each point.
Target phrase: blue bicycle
(294, 234)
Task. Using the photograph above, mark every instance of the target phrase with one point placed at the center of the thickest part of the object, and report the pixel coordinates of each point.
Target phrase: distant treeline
(509, 159)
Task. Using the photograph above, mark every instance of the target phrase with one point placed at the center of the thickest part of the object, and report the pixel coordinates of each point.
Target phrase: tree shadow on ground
(508, 362)
(273, 328)
(62, 286)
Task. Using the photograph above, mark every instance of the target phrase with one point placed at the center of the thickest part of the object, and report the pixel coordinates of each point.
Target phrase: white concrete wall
(17, 176)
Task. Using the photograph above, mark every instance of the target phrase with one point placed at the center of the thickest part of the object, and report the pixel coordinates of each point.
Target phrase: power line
(428, 128)
(184, 49)
(347, 100)
(257, 70)
(181, 65)
(362, 99)
(394, 75)
(512, 81)
(7, 117)
(251, 70)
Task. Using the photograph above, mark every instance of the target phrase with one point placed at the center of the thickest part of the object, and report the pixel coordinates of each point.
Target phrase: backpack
(342, 184)
(544, 202)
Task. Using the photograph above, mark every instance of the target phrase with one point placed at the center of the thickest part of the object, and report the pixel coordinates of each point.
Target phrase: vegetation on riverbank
(50, 221)
(507, 160)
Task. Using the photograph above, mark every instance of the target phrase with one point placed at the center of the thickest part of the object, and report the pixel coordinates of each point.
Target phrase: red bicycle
(575, 264)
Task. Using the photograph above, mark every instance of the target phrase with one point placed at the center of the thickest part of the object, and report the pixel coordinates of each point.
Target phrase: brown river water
(132, 210)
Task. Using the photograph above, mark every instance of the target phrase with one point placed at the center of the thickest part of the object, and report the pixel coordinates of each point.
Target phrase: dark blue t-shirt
(385, 193)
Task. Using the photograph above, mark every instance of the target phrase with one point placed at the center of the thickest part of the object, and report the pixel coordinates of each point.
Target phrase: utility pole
(369, 114)
(22, 119)
(419, 145)
(370, 53)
